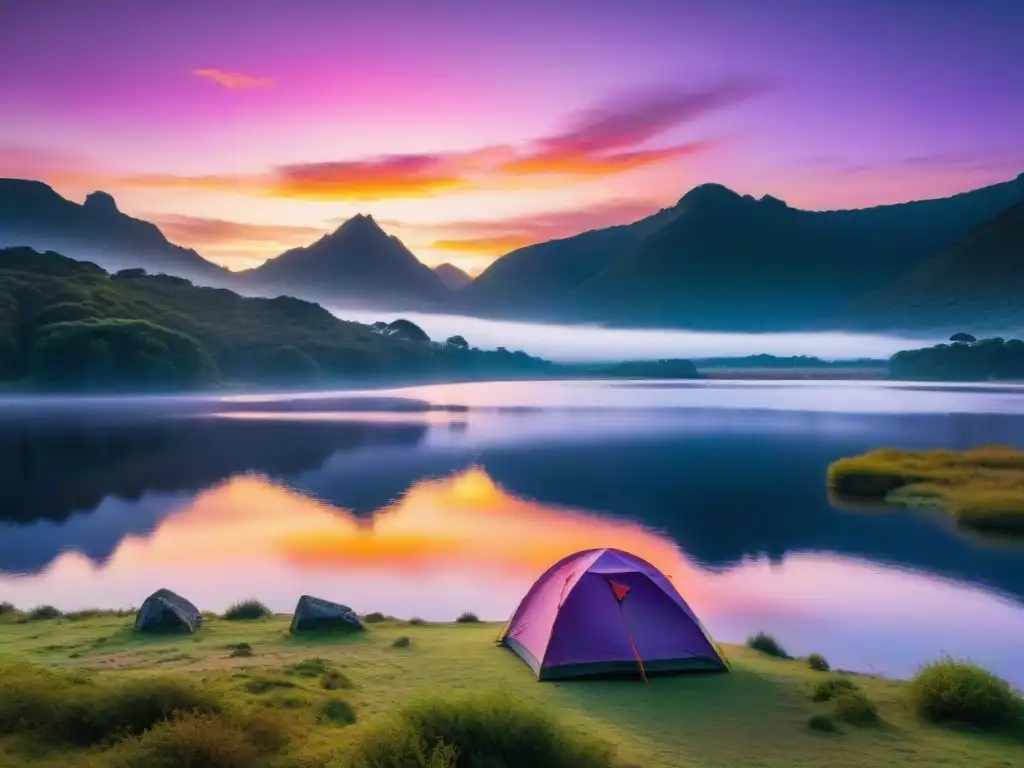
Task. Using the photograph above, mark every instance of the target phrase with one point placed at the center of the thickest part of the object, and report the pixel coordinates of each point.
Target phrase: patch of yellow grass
(981, 488)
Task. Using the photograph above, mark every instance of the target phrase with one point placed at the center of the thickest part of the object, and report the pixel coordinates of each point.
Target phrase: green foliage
(981, 488)
(231, 339)
(416, 621)
(824, 690)
(7, 608)
(374, 617)
(853, 707)
(76, 709)
(43, 613)
(818, 663)
(247, 610)
(243, 650)
(822, 723)
(654, 369)
(338, 711)
(468, 618)
(99, 354)
(963, 360)
(309, 667)
(334, 680)
(956, 691)
(490, 729)
(767, 644)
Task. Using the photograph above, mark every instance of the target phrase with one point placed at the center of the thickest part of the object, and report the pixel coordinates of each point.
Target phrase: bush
(818, 663)
(247, 610)
(8, 608)
(468, 618)
(333, 680)
(956, 691)
(74, 708)
(337, 711)
(401, 642)
(854, 707)
(821, 723)
(767, 644)
(416, 621)
(241, 650)
(43, 613)
(374, 618)
(210, 741)
(309, 667)
(828, 689)
(473, 730)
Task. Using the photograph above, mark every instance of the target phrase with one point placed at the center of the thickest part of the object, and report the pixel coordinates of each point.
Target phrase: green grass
(982, 488)
(853, 707)
(757, 715)
(826, 690)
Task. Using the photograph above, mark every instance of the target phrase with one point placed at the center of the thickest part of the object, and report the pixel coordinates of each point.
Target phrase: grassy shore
(332, 693)
(982, 488)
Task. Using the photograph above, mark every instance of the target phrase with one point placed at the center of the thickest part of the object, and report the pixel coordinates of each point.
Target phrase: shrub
(241, 650)
(828, 689)
(43, 613)
(818, 663)
(855, 708)
(6, 607)
(821, 722)
(417, 621)
(767, 644)
(246, 610)
(337, 711)
(309, 667)
(957, 691)
(263, 684)
(468, 618)
(74, 708)
(473, 729)
(211, 741)
(374, 618)
(401, 642)
(334, 680)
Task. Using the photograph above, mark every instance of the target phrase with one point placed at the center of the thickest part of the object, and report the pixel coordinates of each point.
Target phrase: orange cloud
(233, 80)
(197, 231)
(375, 178)
(499, 236)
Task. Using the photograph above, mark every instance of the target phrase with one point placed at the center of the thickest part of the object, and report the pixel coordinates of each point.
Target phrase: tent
(312, 613)
(605, 611)
(164, 611)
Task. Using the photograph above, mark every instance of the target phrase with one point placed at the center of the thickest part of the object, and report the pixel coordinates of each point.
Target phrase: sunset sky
(469, 128)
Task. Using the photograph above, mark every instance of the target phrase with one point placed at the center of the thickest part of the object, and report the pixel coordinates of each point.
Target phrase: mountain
(718, 260)
(976, 285)
(32, 214)
(357, 264)
(531, 282)
(452, 276)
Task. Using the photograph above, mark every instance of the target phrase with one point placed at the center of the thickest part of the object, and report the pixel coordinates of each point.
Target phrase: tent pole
(639, 661)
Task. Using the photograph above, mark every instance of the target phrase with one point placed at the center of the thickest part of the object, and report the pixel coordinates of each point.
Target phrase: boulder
(165, 611)
(316, 614)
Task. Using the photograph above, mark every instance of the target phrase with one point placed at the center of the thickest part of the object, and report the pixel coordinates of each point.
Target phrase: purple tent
(605, 611)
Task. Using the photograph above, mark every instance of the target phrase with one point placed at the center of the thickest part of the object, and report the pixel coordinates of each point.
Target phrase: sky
(469, 128)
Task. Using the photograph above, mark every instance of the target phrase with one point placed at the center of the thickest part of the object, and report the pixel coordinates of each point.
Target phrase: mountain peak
(101, 202)
(710, 192)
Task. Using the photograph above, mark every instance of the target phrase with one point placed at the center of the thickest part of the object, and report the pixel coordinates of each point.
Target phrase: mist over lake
(591, 343)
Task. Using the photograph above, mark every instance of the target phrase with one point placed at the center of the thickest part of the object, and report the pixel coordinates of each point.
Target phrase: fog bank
(583, 343)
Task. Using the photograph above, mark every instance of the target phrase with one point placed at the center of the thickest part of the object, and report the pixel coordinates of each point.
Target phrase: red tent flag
(620, 590)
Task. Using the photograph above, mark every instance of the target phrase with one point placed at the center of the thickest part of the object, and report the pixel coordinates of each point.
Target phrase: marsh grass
(956, 691)
(767, 644)
(247, 610)
(981, 488)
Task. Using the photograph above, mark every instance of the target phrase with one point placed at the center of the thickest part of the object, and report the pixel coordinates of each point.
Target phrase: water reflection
(463, 542)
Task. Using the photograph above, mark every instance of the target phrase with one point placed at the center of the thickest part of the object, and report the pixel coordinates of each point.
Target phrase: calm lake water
(415, 511)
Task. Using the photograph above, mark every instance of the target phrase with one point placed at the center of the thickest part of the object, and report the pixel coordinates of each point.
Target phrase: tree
(457, 342)
(408, 330)
(128, 274)
(380, 327)
(962, 338)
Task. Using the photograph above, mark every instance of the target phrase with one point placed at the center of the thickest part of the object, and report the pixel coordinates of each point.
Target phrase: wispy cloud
(197, 231)
(493, 237)
(233, 80)
(600, 142)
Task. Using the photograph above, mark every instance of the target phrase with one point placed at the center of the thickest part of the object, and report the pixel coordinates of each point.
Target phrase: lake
(389, 502)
